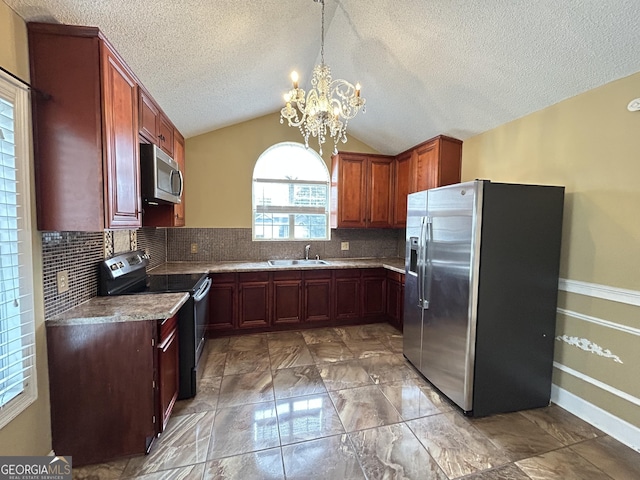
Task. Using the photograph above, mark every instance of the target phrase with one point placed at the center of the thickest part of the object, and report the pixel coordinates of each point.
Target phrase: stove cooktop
(185, 282)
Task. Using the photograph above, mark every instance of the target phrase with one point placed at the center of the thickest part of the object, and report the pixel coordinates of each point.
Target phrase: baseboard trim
(610, 424)
(605, 292)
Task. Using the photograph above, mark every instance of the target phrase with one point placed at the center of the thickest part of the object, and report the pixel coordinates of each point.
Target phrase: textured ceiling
(457, 67)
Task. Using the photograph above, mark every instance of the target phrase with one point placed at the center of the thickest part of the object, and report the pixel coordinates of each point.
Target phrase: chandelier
(328, 106)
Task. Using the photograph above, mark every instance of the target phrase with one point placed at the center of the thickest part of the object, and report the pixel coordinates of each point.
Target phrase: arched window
(290, 194)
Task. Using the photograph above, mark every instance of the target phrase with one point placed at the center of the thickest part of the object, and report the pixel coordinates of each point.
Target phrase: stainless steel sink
(293, 263)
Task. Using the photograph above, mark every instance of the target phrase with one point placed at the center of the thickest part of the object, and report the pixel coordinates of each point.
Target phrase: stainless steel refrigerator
(482, 262)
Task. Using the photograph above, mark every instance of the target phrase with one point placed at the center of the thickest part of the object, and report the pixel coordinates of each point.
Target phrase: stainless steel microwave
(161, 178)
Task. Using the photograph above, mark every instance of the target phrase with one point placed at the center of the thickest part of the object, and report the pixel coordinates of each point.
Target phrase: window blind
(17, 339)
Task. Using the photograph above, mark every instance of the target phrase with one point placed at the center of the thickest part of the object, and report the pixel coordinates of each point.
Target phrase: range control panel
(124, 263)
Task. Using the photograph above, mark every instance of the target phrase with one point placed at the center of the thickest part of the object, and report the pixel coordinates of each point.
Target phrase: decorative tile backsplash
(80, 253)
(229, 244)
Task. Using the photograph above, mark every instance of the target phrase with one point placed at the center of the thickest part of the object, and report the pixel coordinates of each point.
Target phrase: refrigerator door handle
(427, 271)
(420, 266)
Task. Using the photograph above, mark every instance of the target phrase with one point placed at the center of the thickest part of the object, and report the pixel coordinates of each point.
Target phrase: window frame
(291, 211)
(17, 94)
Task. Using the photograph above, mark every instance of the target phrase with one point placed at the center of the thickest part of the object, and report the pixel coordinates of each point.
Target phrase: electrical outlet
(344, 245)
(194, 248)
(62, 280)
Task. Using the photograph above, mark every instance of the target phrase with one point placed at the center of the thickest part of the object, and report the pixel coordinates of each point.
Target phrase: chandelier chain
(328, 106)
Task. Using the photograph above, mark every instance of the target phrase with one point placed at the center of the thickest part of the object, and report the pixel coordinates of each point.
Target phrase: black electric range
(126, 274)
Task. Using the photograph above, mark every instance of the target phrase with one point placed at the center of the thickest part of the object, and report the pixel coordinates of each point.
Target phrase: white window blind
(17, 339)
(290, 194)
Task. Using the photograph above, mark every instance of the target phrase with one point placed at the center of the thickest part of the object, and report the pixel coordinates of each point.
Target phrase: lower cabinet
(395, 298)
(112, 387)
(168, 370)
(318, 293)
(254, 303)
(261, 301)
(287, 297)
(347, 294)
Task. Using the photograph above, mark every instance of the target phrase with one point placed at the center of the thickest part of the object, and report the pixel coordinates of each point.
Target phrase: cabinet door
(149, 115)
(178, 156)
(379, 192)
(373, 293)
(287, 301)
(168, 371)
(253, 300)
(426, 166)
(222, 302)
(317, 296)
(394, 298)
(347, 294)
(402, 180)
(165, 135)
(121, 150)
(351, 185)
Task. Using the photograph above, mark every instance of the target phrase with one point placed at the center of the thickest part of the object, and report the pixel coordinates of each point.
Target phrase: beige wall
(591, 144)
(30, 432)
(219, 168)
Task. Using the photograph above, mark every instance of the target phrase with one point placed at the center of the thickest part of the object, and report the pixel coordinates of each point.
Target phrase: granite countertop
(122, 308)
(392, 263)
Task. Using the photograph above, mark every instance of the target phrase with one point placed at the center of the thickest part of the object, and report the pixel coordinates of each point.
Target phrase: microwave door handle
(181, 183)
(173, 192)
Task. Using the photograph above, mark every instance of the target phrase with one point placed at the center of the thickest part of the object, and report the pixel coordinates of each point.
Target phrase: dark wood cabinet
(155, 127)
(179, 156)
(317, 295)
(395, 298)
(347, 294)
(86, 134)
(374, 292)
(282, 299)
(222, 302)
(287, 297)
(402, 179)
(112, 386)
(168, 370)
(254, 305)
(361, 186)
(437, 162)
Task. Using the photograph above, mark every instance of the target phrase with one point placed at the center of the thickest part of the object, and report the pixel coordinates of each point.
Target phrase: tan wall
(30, 432)
(219, 168)
(591, 144)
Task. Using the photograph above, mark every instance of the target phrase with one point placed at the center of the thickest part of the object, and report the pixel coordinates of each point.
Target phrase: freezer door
(412, 320)
(446, 344)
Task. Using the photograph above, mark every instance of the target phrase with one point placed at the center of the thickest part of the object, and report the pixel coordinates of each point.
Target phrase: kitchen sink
(292, 263)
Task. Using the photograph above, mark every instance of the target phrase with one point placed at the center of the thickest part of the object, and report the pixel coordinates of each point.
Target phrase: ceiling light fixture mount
(634, 105)
(328, 106)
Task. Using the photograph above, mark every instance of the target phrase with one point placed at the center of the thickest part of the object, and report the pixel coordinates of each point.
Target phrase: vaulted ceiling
(456, 67)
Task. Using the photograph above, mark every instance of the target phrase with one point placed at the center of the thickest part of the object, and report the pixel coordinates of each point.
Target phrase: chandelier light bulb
(294, 79)
(357, 89)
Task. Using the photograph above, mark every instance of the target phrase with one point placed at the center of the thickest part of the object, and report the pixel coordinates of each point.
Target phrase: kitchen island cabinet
(112, 375)
(86, 134)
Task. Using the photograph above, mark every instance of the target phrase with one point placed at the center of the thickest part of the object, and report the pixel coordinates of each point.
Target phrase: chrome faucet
(306, 252)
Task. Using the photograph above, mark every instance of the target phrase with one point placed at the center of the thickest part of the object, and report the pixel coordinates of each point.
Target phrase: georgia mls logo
(35, 468)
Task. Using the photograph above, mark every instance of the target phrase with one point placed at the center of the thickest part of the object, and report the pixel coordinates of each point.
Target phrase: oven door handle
(200, 294)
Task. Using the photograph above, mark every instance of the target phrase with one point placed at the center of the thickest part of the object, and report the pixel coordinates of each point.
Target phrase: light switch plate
(62, 281)
(344, 245)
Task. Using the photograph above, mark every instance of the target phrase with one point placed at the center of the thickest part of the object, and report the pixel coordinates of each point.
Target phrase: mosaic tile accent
(79, 253)
(229, 244)
(154, 242)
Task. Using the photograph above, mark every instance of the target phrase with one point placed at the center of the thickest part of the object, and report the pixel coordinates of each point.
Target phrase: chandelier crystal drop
(328, 106)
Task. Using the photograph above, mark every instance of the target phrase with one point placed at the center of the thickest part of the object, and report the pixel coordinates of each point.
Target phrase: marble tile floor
(343, 403)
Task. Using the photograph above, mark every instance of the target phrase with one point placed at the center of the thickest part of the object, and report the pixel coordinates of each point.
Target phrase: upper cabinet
(155, 127)
(361, 190)
(86, 133)
(437, 162)
(370, 191)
